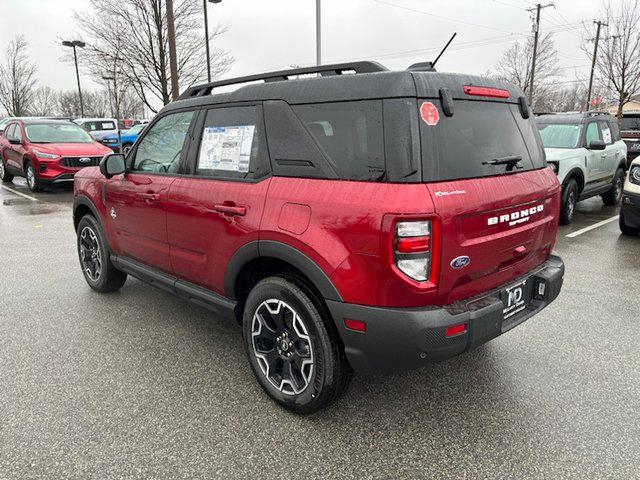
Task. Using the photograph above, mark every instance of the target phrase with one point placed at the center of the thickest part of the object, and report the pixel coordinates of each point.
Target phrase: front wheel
(613, 196)
(627, 229)
(292, 350)
(569, 200)
(95, 261)
(32, 180)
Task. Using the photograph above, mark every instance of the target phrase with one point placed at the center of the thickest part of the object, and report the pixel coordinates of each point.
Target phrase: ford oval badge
(460, 262)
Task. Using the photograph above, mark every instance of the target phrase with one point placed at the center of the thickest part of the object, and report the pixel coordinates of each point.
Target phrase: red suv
(46, 152)
(357, 219)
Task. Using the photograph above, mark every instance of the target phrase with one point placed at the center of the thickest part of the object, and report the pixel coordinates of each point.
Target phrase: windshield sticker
(429, 113)
(226, 148)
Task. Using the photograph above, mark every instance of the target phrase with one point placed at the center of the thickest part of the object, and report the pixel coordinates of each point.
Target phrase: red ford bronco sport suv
(356, 219)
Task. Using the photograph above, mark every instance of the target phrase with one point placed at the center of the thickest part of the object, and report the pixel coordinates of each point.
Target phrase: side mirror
(112, 164)
(597, 145)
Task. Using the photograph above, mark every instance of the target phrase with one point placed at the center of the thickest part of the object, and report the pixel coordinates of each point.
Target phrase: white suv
(630, 209)
(588, 155)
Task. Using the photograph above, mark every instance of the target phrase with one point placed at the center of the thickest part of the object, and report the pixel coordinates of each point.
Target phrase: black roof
(370, 81)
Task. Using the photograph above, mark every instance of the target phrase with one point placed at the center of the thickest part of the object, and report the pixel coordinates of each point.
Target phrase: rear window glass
(630, 123)
(560, 135)
(478, 135)
(350, 134)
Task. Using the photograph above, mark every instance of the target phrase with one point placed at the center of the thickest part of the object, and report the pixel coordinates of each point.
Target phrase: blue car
(129, 137)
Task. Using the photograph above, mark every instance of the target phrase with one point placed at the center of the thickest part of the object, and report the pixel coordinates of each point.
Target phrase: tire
(96, 265)
(125, 148)
(5, 176)
(613, 196)
(292, 350)
(626, 229)
(570, 195)
(30, 174)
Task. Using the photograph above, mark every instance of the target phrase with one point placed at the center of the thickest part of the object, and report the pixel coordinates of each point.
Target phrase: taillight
(486, 91)
(412, 249)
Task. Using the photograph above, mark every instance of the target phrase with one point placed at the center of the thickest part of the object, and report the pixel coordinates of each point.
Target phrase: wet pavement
(139, 384)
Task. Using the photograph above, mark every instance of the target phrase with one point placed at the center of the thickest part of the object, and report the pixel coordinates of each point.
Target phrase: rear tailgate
(484, 165)
(506, 225)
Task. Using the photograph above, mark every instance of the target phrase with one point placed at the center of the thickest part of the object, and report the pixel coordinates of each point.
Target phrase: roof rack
(595, 113)
(323, 70)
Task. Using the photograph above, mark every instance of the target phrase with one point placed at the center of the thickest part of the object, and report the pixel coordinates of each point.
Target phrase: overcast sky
(272, 34)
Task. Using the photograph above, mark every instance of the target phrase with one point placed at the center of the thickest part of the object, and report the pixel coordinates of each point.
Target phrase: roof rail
(595, 113)
(323, 70)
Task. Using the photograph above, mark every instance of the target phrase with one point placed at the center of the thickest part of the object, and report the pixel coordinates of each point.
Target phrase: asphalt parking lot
(139, 384)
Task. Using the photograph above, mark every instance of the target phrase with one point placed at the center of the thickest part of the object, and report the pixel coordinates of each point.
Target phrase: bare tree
(45, 102)
(17, 79)
(618, 59)
(143, 56)
(515, 65)
(96, 104)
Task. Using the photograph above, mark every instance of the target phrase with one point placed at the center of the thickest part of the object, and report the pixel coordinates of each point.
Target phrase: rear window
(630, 123)
(464, 145)
(350, 134)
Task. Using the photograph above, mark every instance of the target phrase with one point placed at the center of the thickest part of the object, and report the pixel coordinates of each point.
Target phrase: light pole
(173, 61)
(116, 103)
(206, 34)
(318, 34)
(74, 44)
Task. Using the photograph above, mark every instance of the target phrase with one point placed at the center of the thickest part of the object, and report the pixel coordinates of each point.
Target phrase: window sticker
(226, 148)
(107, 126)
(606, 135)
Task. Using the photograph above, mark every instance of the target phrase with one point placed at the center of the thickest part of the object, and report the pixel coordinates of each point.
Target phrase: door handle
(150, 197)
(232, 209)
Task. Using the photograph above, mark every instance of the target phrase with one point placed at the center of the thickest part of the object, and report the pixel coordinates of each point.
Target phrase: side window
(615, 131)
(593, 133)
(606, 133)
(9, 131)
(229, 145)
(351, 135)
(161, 148)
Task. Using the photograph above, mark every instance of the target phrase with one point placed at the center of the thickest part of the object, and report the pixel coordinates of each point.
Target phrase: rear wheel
(95, 260)
(613, 196)
(569, 200)
(5, 176)
(626, 229)
(293, 352)
(32, 180)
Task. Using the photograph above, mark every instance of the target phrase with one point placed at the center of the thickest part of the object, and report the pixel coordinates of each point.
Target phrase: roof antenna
(430, 66)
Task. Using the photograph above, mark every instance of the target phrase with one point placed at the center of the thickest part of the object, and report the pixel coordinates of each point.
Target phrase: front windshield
(560, 135)
(57, 133)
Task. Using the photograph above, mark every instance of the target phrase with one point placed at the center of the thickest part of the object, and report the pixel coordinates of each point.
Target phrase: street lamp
(206, 34)
(109, 78)
(74, 44)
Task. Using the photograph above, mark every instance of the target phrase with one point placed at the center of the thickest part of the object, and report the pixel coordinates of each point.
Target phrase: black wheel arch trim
(86, 202)
(572, 174)
(284, 252)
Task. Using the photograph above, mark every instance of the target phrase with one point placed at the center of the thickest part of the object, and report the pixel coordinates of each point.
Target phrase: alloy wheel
(90, 254)
(571, 203)
(31, 177)
(618, 188)
(282, 346)
(1, 168)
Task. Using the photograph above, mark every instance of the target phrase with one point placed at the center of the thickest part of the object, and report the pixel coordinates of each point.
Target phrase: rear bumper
(400, 339)
(630, 209)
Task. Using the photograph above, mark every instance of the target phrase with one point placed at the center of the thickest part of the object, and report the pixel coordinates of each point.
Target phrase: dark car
(358, 219)
(630, 133)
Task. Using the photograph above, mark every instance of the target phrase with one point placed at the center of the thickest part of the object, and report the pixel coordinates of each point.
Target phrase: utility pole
(599, 24)
(318, 34)
(173, 62)
(536, 31)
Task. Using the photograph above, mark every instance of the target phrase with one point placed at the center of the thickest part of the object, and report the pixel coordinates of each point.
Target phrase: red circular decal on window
(429, 113)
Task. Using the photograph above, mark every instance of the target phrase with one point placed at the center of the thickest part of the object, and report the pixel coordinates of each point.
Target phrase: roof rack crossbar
(323, 70)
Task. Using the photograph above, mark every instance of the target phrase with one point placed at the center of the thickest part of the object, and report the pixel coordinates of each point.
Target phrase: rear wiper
(510, 161)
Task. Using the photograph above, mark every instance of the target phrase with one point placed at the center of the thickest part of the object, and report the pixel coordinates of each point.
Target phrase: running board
(181, 288)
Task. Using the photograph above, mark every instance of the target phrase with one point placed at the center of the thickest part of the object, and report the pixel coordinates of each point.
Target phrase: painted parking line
(591, 227)
(28, 197)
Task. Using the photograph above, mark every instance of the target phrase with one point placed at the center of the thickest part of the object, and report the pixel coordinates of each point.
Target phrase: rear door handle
(230, 209)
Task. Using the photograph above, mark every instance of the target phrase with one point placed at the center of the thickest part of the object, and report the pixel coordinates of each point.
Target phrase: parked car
(46, 152)
(371, 221)
(630, 132)
(128, 137)
(588, 155)
(630, 209)
(99, 128)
